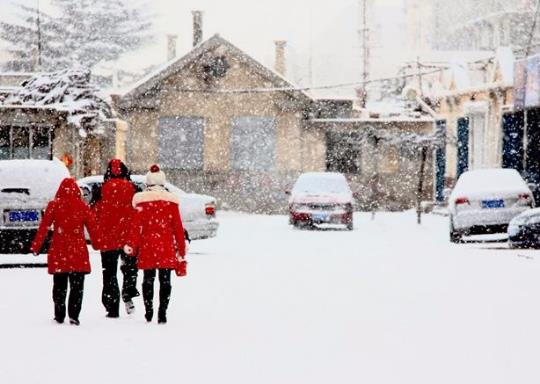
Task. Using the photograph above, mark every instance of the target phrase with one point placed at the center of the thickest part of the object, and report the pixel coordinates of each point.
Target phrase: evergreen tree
(29, 45)
(82, 32)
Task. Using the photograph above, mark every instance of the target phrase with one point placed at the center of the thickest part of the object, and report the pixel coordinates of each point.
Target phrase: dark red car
(321, 198)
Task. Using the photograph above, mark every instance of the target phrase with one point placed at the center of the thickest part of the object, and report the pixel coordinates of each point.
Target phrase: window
(20, 141)
(181, 142)
(5, 152)
(41, 148)
(253, 143)
(25, 142)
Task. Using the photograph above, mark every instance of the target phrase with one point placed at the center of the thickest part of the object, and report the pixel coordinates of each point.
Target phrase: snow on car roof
(315, 182)
(41, 177)
(141, 179)
(489, 181)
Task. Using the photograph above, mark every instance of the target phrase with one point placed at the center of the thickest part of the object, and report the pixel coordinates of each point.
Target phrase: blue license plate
(23, 216)
(493, 204)
(320, 217)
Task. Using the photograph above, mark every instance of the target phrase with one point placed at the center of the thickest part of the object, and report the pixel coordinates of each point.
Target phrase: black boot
(149, 314)
(74, 322)
(162, 317)
(59, 313)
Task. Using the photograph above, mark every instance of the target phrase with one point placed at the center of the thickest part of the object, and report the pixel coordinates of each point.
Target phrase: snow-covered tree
(78, 32)
(32, 39)
(67, 90)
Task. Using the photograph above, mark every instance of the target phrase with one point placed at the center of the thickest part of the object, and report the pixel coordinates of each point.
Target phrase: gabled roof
(178, 64)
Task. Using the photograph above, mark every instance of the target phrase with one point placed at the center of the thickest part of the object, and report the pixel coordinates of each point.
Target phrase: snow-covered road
(390, 302)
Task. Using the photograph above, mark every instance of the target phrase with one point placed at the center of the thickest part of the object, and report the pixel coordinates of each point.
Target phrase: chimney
(280, 65)
(197, 27)
(171, 46)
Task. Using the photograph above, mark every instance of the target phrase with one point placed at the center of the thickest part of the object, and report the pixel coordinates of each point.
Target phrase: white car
(485, 200)
(198, 212)
(26, 187)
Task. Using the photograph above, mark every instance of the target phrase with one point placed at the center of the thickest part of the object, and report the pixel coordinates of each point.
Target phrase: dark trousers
(110, 295)
(60, 287)
(164, 289)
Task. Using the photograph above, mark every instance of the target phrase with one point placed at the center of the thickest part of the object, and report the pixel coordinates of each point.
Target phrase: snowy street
(390, 302)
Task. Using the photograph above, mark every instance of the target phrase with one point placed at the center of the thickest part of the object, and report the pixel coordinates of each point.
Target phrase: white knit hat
(155, 176)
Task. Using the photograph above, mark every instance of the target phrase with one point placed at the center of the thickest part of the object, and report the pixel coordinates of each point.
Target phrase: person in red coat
(67, 259)
(157, 240)
(114, 214)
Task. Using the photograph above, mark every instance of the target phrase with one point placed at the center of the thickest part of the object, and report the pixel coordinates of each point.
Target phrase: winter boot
(162, 317)
(130, 307)
(112, 315)
(149, 314)
(74, 321)
(59, 313)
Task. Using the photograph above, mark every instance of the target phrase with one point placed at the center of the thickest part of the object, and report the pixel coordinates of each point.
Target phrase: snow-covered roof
(68, 90)
(176, 65)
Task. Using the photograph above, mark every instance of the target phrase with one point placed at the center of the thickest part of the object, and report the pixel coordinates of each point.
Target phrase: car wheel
(350, 226)
(455, 236)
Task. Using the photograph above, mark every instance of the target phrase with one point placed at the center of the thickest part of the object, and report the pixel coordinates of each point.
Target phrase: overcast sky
(252, 25)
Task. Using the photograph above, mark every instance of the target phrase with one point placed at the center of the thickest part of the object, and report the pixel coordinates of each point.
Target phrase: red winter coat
(68, 214)
(158, 232)
(114, 214)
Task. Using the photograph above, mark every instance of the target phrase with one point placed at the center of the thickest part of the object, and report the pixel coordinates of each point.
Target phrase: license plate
(23, 216)
(493, 204)
(320, 217)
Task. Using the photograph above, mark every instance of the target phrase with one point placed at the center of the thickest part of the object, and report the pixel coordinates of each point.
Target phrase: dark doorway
(343, 152)
(462, 145)
(440, 160)
(512, 150)
(532, 162)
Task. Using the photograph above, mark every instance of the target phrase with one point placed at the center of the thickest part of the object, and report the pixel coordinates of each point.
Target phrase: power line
(303, 89)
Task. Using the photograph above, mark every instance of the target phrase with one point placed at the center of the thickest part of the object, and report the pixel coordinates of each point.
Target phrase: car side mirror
(287, 191)
(532, 186)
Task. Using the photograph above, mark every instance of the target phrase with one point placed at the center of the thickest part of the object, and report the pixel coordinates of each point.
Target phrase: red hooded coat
(68, 214)
(114, 214)
(158, 231)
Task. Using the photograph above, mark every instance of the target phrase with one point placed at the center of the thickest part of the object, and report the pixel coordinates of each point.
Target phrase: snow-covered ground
(390, 302)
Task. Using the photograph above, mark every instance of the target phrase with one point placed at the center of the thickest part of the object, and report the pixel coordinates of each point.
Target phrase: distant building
(221, 123)
(473, 99)
(482, 24)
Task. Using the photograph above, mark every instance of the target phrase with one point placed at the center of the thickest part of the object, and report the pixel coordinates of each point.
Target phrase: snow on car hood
(30, 181)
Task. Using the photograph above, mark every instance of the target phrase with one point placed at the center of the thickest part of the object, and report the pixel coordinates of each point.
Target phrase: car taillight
(462, 200)
(210, 210)
(524, 196)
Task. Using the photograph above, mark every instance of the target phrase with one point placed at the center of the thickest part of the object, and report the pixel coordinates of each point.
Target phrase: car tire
(456, 237)
(350, 226)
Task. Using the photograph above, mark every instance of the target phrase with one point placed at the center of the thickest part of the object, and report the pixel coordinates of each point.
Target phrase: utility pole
(38, 24)
(364, 38)
(419, 68)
